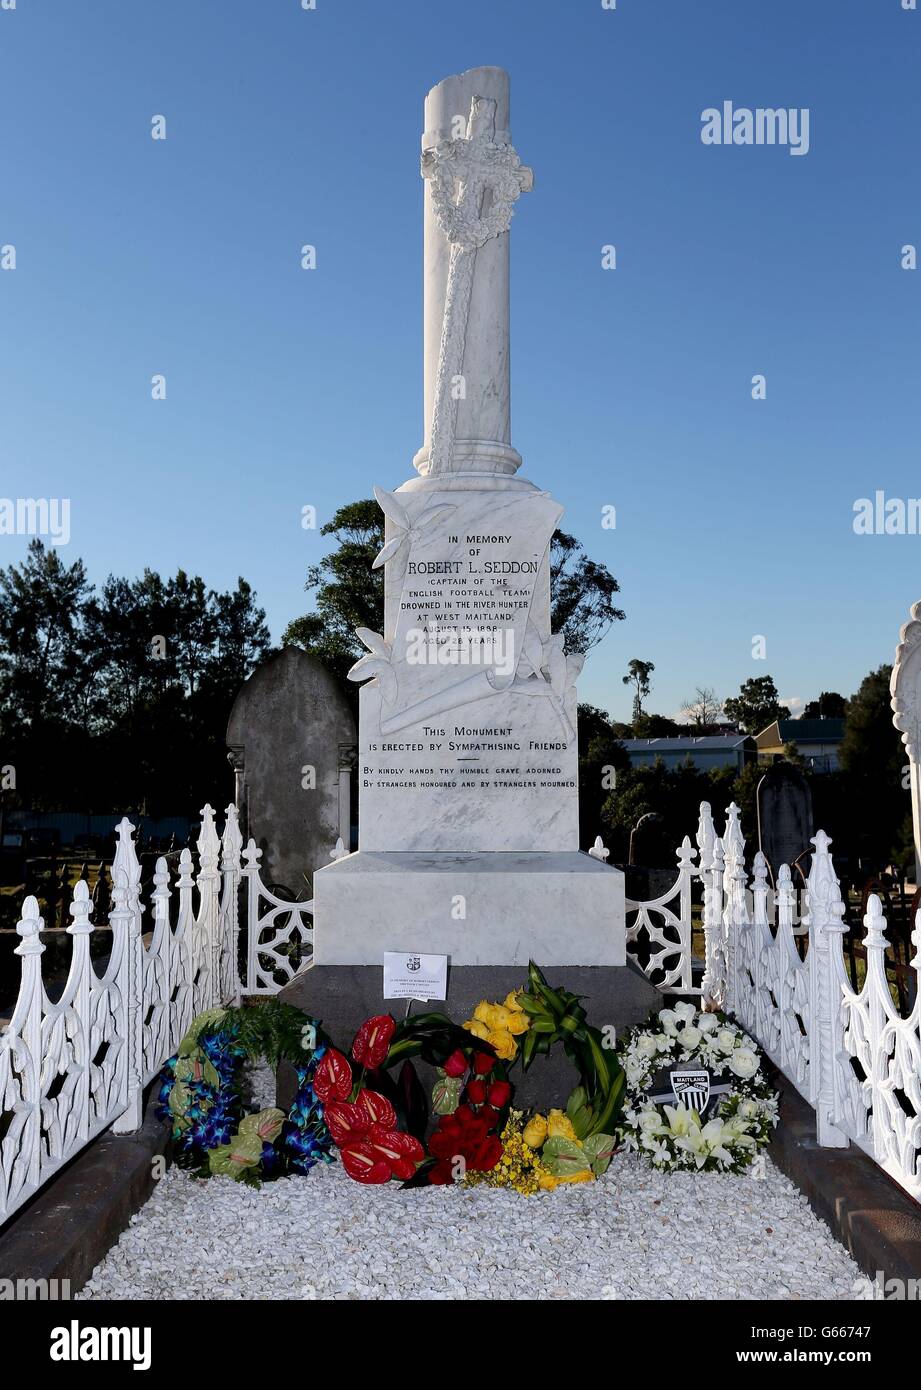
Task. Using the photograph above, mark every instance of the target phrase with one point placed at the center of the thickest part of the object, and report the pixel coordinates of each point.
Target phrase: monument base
(486, 908)
(343, 996)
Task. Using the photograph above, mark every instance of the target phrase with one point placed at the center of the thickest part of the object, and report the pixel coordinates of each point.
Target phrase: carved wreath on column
(478, 165)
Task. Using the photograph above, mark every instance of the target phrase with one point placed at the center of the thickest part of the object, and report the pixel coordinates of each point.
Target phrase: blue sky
(630, 387)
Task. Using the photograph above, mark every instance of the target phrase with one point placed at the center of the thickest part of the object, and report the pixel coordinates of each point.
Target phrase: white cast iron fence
(73, 1065)
(74, 1062)
(850, 1052)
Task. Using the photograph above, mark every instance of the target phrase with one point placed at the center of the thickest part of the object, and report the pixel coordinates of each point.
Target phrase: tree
(602, 761)
(118, 700)
(581, 595)
(349, 594)
(41, 604)
(829, 705)
(638, 673)
(703, 710)
(756, 705)
(655, 726)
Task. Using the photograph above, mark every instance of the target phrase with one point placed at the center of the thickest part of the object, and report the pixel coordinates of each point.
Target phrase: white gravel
(634, 1234)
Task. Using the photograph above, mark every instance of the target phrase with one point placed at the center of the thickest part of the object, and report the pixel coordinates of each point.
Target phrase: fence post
(686, 870)
(713, 985)
(877, 985)
(231, 844)
(754, 933)
(125, 921)
(251, 856)
(785, 912)
(824, 918)
(80, 931)
(207, 881)
(735, 906)
(26, 1024)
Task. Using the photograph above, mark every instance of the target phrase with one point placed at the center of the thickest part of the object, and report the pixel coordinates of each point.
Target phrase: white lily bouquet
(696, 1097)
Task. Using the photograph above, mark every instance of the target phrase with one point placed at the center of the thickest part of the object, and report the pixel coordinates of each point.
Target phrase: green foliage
(269, 1029)
(347, 593)
(123, 693)
(756, 705)
(558, 1017)
(638, 675)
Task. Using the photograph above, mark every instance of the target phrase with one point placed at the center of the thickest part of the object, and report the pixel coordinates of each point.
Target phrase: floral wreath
(202, 1095)
(676, 1137)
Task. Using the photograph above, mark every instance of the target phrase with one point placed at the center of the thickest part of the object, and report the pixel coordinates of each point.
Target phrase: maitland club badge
(691, 1087)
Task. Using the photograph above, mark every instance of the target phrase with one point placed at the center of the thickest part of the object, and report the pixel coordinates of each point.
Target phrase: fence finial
(706, 834)
(29, 926)
(125, 865)
(598, 850)
(80, 909)
(231, 840)
(874, 922)
(208, 842)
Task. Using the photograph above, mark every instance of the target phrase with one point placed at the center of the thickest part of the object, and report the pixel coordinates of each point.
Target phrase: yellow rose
(559, 1126)
(484, 1013)
(500, 1017)
(546, 1181)
(583, 1175)
(511, 1001)
(478, 1029)
(535, 1131)
(518, 1023)
(504, 1043)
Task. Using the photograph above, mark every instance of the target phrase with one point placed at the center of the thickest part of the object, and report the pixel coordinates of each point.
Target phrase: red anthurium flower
(483, 1063)
(364, 1164)
(456, 1064)
(476, 1091)
(346, 1123)
(500, 1093)
(372, 1041)
(401, 1151)
(376, 1108)
(333, 1077)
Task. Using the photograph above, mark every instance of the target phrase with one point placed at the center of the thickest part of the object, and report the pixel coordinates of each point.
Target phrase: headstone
(784, 815)
(905, 689)
(468, 758)
(291, 740)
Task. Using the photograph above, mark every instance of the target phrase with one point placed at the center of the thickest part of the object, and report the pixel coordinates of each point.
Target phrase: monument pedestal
(493, 908)
(343, 996)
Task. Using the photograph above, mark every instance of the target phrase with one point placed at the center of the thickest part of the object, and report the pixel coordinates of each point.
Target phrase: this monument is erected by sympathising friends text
(467, 760)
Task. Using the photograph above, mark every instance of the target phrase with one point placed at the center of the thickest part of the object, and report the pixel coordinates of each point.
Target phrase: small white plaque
(412, 975)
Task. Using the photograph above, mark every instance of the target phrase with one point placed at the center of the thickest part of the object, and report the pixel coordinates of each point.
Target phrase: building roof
(685, 744)
(801, 731)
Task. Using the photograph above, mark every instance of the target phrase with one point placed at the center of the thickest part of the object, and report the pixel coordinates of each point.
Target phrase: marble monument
(467, 749)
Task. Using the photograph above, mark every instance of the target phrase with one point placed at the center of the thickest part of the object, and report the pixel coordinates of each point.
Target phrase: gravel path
(634, 1234)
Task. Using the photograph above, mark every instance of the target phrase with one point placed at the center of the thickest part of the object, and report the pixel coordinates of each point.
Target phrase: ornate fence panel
(279, 932)
(73, 1066)
(662, 926)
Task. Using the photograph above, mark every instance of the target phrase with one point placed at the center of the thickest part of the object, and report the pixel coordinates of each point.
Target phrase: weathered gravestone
(468, 757)
(291, 740)
(784, 814)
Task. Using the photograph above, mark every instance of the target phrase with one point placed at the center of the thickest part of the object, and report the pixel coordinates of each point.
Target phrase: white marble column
(482, 436)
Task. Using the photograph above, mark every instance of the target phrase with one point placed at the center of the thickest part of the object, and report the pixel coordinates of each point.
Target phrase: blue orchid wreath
(201, 1095)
